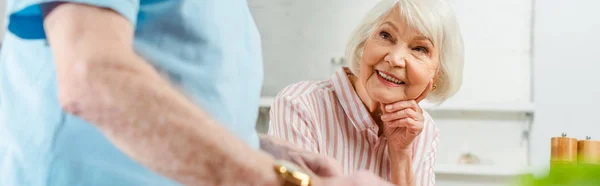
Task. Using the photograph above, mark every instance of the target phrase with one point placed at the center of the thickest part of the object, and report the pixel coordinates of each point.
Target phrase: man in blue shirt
(135, 92)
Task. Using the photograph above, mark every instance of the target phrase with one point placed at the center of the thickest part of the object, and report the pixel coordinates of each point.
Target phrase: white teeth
(389, 78)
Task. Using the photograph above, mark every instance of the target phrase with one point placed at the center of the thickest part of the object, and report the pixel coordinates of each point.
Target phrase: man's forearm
(157, 126)
(103, 81)
(402, 174)
(277, 148)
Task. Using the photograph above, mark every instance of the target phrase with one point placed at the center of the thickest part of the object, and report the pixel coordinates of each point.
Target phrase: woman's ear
(436, 79)
(434, 82)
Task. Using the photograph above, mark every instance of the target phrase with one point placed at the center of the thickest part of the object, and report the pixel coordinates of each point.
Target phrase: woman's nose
(397, 58)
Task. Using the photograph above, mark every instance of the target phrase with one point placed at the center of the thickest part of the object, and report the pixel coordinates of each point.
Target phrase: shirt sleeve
(425, 167)
(289, 121)
(26, 21)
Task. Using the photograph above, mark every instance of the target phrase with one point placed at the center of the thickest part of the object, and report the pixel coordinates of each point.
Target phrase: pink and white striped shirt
(328, 117)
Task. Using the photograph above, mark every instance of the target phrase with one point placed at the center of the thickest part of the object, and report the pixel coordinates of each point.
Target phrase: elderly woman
(367, 116)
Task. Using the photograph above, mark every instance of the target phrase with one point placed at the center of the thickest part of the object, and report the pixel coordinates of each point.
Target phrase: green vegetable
(566, 175)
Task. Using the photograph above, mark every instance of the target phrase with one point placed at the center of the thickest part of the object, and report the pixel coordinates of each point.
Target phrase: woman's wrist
(400, 150)
(397, 155)
(401, 160)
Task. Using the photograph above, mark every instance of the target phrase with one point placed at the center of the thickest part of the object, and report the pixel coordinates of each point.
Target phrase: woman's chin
(385, 98)
(384, 95)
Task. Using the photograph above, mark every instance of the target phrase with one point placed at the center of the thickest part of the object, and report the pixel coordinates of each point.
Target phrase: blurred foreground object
(572, 163)
(566, 175)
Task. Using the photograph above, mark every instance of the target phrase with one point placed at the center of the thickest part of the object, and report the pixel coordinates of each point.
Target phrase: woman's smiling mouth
(388, 80)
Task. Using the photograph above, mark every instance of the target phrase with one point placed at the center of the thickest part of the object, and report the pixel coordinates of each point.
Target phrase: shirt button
(373, 128)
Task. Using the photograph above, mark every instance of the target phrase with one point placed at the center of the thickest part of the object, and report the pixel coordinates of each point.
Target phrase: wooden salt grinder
(588, 151)
(564, 150)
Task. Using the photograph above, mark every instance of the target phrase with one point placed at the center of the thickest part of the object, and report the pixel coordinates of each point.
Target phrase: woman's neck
(372, 106)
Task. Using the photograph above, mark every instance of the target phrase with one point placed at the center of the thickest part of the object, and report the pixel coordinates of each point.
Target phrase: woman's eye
(421, 49)
(385, 35)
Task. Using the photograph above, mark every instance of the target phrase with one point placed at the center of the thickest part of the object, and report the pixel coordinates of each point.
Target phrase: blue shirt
(209, 48)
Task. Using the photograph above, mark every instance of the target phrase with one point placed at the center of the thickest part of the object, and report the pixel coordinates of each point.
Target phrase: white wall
(567, 66)
(300, 37)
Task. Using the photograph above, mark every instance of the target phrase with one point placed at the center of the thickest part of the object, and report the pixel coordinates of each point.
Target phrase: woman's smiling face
(398, 62)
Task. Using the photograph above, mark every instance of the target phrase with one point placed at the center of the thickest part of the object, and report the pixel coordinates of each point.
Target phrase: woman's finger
(404, 113)
(408, 123)
(404, 122)
(412, 104)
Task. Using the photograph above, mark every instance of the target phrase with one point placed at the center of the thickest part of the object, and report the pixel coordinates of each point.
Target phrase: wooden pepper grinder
(564, 150)
(588, 151)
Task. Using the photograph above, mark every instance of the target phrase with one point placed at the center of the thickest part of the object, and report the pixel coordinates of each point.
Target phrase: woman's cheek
(365, 75)
(414, 91)
(419, 81)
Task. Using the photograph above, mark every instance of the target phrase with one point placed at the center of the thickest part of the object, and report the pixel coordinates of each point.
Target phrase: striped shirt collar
(351, 103)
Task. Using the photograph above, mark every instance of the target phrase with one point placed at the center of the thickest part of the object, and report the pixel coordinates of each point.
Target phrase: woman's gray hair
(432, 18)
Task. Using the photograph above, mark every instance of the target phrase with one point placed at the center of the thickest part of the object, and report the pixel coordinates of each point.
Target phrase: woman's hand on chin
(403, 121)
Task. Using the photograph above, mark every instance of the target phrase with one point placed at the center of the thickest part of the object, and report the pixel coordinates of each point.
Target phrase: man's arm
(292, 119)
(314, 163)
(104, 82)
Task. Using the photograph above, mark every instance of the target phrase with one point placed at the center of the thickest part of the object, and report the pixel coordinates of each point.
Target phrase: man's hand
(320, 165)
(360, 178)
(314, 163)
(324, 171)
